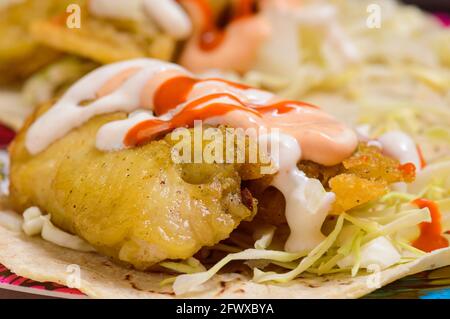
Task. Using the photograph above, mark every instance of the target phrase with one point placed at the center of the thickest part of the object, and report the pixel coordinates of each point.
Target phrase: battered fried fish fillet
(134, 205)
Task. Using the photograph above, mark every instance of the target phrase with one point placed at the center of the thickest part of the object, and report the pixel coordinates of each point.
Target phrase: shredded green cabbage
(412, 218)
(308, 261)
(188, 266)
(356, 251)
(433, 177)
(266, 236)
(403, 245)
(351, 232)
(186, 283)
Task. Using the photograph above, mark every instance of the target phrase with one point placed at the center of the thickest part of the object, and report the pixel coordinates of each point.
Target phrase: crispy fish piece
(104, 41)
(20, 54)
(133, 205)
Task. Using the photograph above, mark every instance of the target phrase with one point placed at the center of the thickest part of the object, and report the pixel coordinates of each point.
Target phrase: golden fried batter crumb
(352, 191)
(369, 163)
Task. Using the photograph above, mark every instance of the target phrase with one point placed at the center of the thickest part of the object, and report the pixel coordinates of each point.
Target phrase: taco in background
(111, 31)
(20, 54)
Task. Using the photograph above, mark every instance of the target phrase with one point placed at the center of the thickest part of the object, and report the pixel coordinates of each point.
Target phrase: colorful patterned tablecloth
(434, 284)
(9, 280)
(444, 18)
(6, 136)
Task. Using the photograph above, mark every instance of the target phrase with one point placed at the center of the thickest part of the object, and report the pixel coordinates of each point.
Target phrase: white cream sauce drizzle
(110, 136)
(307, 202)
(170, 16)
(117, 9)
(68, 114)
(400, 146)
(167, 14)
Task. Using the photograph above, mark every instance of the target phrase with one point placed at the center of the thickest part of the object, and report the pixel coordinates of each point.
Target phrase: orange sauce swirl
(212, 35)
(430, 233)
(323, 139)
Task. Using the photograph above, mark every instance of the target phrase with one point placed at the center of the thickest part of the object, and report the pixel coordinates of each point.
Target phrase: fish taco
(107, 171)
(223, 149)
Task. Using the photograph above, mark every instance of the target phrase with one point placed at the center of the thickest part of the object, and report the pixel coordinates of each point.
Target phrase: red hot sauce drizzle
(430, 233)
(212, 34)
(198, 109)
(244, 9)
(174, 99)
(423, 163)
(175, 91)
(408, 170)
